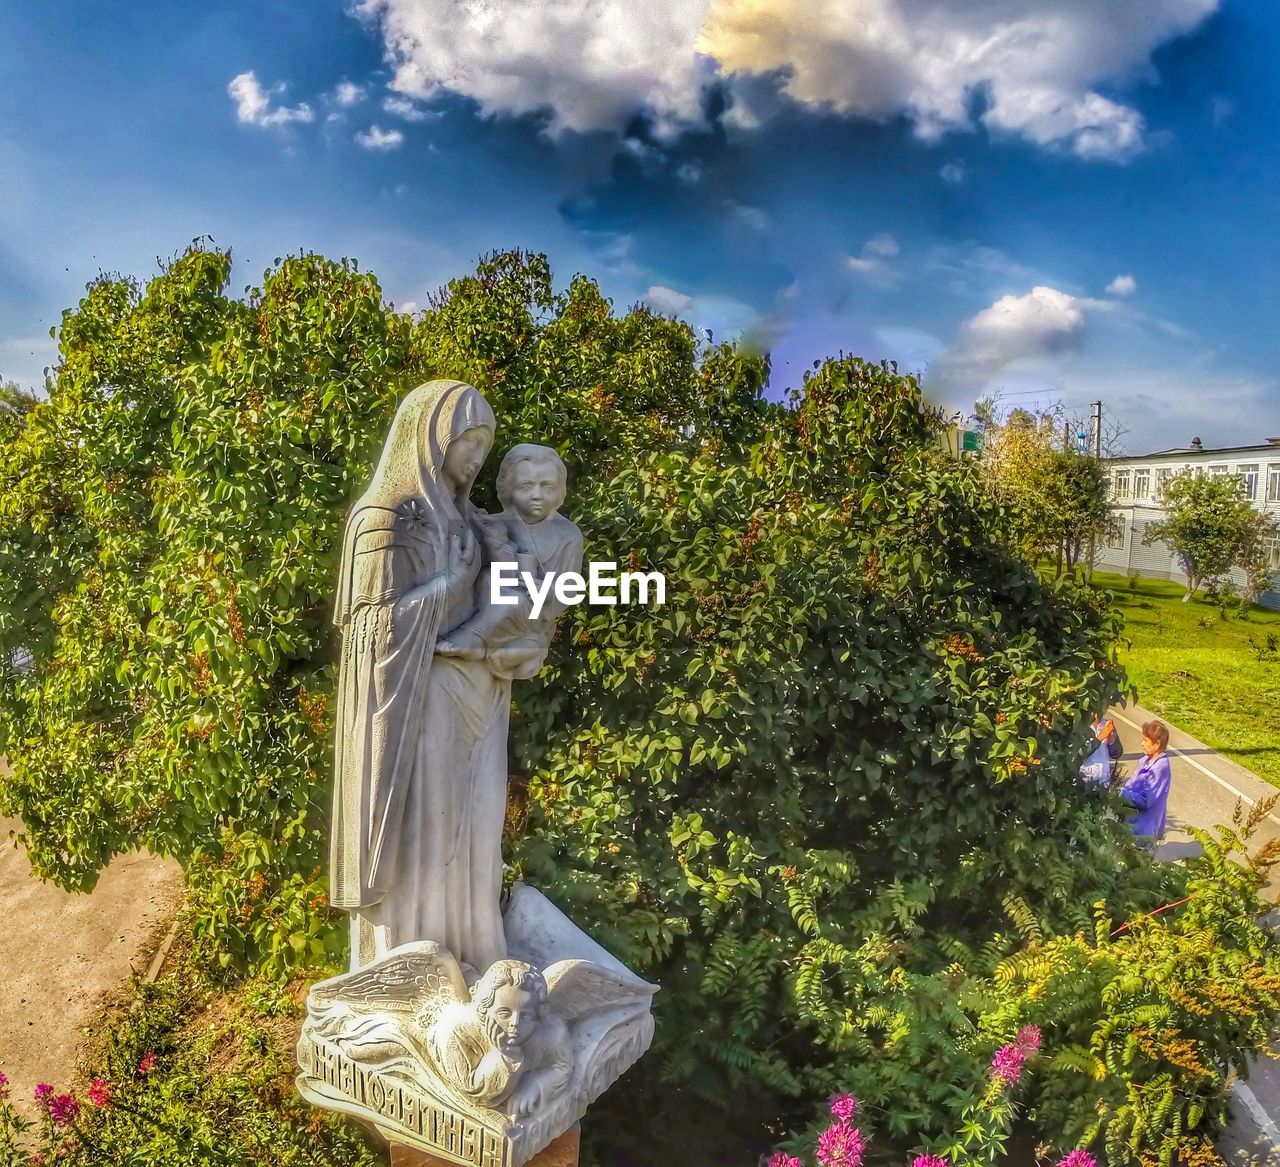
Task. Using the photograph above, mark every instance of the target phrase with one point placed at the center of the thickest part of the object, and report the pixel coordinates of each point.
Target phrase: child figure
(531, 532)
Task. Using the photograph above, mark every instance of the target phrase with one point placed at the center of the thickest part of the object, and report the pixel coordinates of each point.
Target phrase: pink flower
(4, 1087)
(780, 1159)
(99, 1093)
(43, 1093)
(1078, 1158)
(1028, 1040)
(63, 1109)
(929, 1161)
(844, 1107)
(840, 1145)
(147, 1064)
(1008, 1063)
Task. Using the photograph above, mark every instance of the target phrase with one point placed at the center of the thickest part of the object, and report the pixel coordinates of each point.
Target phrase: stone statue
(473, 1030)
(507, 1063)
(421, 765)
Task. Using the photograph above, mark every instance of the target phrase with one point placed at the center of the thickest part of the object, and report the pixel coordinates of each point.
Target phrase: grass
(1199, 670)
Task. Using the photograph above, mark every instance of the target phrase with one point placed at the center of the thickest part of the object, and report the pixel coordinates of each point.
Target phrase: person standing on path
(1148, 789)
(1105, 748)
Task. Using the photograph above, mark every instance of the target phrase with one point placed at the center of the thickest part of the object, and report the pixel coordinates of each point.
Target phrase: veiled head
(433, 420)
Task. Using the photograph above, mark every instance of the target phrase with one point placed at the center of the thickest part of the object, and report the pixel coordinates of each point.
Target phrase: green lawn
(1200, 672)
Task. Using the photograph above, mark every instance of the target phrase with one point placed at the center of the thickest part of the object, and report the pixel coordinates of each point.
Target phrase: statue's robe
(420, 761)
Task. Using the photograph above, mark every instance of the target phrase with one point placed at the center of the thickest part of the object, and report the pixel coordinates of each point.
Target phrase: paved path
(60, 952)
(1206, 787)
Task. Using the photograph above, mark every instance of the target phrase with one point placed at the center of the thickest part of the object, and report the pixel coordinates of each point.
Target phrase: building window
(1273, 554)
(1122, 484)
(1249, 480)
(1273, 482)
(1142, 484)
(1219, 471)
(1115, 532)
(1163, 478)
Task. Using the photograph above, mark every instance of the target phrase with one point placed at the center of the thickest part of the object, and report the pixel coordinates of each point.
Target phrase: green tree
(15, 404)
(1057, 498)
(1212, 527)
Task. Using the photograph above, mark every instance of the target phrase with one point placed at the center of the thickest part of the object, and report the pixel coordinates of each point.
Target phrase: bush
(188, 1078)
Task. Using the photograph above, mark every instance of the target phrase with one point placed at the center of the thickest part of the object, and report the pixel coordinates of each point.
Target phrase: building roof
(1270, 447)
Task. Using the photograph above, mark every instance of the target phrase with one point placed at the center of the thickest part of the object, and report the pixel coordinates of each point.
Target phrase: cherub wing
(578, 987)
(397, 983)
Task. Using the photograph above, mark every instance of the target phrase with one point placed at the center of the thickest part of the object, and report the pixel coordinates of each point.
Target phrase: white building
(1137, 490)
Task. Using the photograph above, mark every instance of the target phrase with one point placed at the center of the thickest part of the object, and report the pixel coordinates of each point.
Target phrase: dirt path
(60, 952)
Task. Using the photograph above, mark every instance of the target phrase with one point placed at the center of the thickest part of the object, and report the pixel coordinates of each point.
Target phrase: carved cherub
(506, 1042)
(503, 1048)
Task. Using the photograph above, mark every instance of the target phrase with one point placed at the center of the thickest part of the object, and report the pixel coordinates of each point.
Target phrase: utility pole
(1097, 453)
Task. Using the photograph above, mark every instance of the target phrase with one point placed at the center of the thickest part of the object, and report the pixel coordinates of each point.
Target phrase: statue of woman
(421, 761)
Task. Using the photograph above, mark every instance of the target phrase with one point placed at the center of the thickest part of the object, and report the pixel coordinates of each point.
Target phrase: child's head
(532, 481)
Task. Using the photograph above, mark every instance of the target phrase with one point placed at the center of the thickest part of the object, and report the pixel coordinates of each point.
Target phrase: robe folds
(420, 753)
(421, 758)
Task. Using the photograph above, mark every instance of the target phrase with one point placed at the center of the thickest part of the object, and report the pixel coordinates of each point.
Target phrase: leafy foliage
(824, 795)
(1056, 499)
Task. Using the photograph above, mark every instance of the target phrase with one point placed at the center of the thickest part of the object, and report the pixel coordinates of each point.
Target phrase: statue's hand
(497, 543)
(463, 644)
(462, 555)
(527, 1096)
(462, 550)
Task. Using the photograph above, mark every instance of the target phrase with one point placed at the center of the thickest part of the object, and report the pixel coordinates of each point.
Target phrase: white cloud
(649, 158)
(1037, 71)
(376, 138)
(953, 173)
(1037, 67)
(690, 173)
(726, 317)
(667, 301)
(752, 218)
(1042, 323)
(348, 93)
(876, 252)
(973, 270)
(1221, 109)
(883, 246)
(1122, 286)
(253, 103)
(403, 107)
(586, 64)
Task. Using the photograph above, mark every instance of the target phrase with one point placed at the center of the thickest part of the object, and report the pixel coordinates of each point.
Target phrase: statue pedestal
(560, 1152)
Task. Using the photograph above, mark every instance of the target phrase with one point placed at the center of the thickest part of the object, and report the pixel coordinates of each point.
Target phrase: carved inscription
(455, 1135)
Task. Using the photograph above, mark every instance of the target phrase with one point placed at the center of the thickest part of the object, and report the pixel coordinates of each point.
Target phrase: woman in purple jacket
(1148, 789)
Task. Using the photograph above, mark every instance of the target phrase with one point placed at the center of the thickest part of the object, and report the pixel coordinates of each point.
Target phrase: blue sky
(1059, 199)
